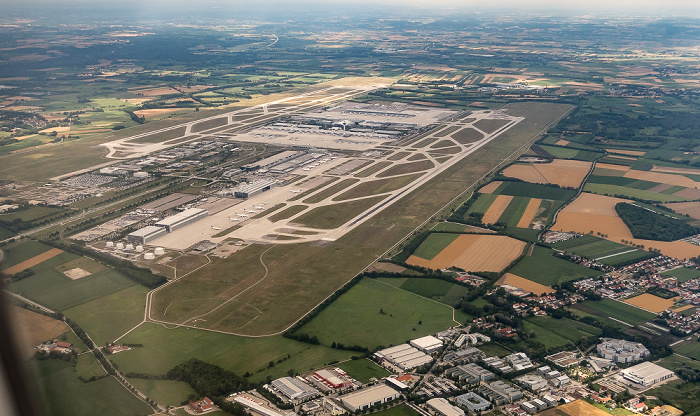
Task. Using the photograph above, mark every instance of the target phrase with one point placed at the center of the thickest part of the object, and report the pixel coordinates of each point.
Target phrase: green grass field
(434, 244)
(60, 386)
(534, 190)
(683, 274)
(482, 204)
(495, 349)
(515, 209)
(332, 216)
(51, 288)
(123, 310)
(594, 248)
(164, 392)
(611, 190)
(449, 226)
(32, 213)
(611, 308)
(542, 267)
(88, 366)
(556, 332)
(394, 313)
(689, 349)
(436, 289)
(5, 233)
(363, 369)
(684, 396)
(164, 348)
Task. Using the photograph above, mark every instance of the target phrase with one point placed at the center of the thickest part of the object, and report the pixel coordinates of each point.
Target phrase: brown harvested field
(689, 193)
(622, 157)
(155, 112)
(467, 135)
(667, 178)
(690, 208)
(490, 187)
(612, 167)
(650, 302)
(562, 142)
(575, 408)
(675, 170)
(529, 213)
(496, 209)
(34, 261)
(591, 212)
(660, 188)
(516, 281)
(386, 267)
(566, 173)
(404, 168)
(475, 252)
(490, 125)
(626, 152)
(607, 172)
(32, 329)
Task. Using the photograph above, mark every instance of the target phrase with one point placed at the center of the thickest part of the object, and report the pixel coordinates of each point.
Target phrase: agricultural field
(682, 395)
(565, 173)
(650, 302)
(691, 209)
(165, 348)
(434, 244)
(33, 329)
(591, 212)
(608, 308)
(689, 348)
(435, 289)
(22, 251)
(123, 310)
(474, 252)
(397, 316)
(683, 274)
(558, 332)
(604, 251)
(544, 268)
(516, 281)
(60, 387)
(363, 369)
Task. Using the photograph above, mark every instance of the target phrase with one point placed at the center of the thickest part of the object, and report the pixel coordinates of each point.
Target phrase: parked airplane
(233, 219)
(259, 207)
(216, 228)
(241, 215)
(249, 211)
(295, 191)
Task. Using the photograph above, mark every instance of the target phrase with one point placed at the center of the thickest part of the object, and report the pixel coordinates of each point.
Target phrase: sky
(684, 8)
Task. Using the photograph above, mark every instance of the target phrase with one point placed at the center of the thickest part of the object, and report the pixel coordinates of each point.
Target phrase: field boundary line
(617, 254)
(421, 296)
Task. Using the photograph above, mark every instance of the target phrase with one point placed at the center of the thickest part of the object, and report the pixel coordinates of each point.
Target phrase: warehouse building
(500, 393)
(403, 356)
(470, 354)
(471, 373)
(428, 344)
(182, 219)
(271, 161)
(621, 351)
(473, 402)
(519, 361)
(253, 406)
(371, 396)
(444, 408)
(646, 374)
(146, 234)
(293, 389)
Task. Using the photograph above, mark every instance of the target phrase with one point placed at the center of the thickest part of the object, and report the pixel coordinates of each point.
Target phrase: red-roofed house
(202, 406)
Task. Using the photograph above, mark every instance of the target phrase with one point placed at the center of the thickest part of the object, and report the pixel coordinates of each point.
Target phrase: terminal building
(146, 234)
(294, 390)
(182, 219)
(646, 374)
(368, 397)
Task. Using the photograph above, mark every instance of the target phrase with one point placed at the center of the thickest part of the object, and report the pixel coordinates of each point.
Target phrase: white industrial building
(371, 396)
(146, 234)
(519, 361)
(428, 344)
(621, 351)
(182, 219)
(532, 382)
(646, 374)
(294, 389)
(404, 356)
(444, 408)
(473, 402)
